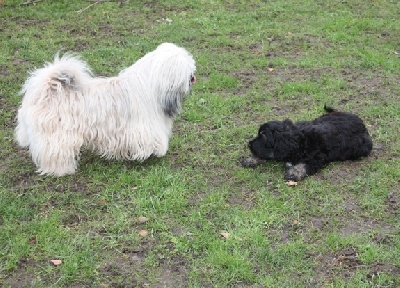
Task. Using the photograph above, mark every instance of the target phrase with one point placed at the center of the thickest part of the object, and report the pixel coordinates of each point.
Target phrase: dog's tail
(329, 109)
(68, 72)
(47, 93)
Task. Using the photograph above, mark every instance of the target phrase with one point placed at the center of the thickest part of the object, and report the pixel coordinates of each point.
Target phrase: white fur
(129, 116)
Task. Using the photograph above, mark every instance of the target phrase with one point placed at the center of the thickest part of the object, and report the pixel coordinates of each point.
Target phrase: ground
(196, 217)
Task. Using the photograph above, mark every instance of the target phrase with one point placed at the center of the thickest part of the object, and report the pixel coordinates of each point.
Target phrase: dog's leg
(251, 162)
(296, 172)
(161, 147)
(22, 131)
(21, 134)
(57, 156)
(305, 167)
(160, 152)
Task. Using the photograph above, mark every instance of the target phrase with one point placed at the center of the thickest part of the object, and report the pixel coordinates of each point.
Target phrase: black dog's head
(279, 140)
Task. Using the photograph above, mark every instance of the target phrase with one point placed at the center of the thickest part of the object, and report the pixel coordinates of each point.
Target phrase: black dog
(307, 146)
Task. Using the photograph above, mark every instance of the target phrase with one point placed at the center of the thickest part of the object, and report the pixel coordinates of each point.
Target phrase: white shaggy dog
(129, 116)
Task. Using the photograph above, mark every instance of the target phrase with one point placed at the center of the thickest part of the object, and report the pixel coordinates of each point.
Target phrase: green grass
(256, 61)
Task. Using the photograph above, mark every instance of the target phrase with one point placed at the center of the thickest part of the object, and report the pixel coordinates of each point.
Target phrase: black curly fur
(307, 146)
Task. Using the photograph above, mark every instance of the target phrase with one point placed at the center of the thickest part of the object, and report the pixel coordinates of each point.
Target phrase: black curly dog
(308, 146)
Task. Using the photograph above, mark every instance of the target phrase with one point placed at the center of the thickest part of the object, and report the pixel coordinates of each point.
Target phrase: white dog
(129, 116)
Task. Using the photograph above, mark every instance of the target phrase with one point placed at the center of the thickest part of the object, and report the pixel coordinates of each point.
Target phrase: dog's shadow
(89, 160)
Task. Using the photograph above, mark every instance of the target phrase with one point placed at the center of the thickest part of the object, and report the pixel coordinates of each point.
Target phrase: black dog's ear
(263, 135)
(287, 142)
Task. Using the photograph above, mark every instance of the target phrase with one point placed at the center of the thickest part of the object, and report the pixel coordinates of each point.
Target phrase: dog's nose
(193, 79)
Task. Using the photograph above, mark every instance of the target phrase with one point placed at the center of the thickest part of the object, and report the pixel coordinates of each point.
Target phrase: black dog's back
(343, 135)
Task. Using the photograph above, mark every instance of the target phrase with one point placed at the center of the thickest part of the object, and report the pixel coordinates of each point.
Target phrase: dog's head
(173, 75)
(278, 140)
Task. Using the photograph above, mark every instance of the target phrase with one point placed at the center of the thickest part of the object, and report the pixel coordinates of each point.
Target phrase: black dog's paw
(296, 173)
(288, 165)
(251, 162)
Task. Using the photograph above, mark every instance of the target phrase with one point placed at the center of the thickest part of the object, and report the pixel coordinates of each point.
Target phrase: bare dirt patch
(129, 269)
(340, 172)
(393, 203)
(243, 198)
(345, 263)
(362, 85)
(22, 276)
(354, 226)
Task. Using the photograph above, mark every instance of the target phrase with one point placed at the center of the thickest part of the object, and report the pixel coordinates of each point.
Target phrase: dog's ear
(287, 142)
(265, 134)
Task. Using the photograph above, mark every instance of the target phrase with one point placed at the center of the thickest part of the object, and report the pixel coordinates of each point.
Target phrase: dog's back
(344, 135)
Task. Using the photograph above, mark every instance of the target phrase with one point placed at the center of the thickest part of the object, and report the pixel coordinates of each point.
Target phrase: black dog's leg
(296, 172)
(251, 162)
(305, 167)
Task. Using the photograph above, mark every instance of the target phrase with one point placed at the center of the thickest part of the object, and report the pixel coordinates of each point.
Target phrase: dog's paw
(288, 165)
(251, 162)
(296, 172)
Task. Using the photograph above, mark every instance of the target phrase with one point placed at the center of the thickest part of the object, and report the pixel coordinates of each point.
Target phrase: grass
(257, 61)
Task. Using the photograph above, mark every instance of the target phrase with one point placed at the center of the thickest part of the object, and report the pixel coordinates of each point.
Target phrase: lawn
(196, 217)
